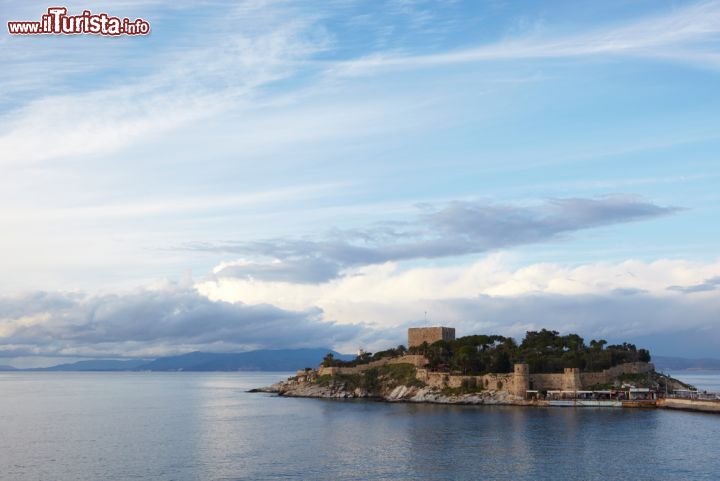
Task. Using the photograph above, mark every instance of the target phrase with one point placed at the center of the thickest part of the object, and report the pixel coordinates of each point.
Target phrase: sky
(279, 174)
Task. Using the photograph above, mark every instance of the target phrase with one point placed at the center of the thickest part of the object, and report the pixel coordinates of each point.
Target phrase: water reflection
(83, 426)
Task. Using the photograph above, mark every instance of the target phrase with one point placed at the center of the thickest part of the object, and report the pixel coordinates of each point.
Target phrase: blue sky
(335, 169)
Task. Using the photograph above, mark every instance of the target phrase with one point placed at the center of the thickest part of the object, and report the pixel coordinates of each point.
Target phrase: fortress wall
(594, 378)
(437, 380)
(491, 382)
(609, 375)
(414, 359)
(569, 380)
(547, 382)
(517, 382)
(456, 381)
(328, 371)
(630, 368)
(498, 381)
(573, 379)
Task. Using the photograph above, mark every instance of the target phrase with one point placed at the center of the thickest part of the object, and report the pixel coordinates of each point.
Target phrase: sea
(206, 426)
(703, 380)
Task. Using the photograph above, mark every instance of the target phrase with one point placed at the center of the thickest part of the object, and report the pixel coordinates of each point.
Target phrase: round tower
(521, 380)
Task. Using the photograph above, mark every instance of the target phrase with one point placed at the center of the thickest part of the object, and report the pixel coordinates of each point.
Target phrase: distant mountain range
(280, 360)
(262, 360)
(663, 363)
(96, 365)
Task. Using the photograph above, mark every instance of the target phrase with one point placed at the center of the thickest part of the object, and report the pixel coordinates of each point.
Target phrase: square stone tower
(418, 335)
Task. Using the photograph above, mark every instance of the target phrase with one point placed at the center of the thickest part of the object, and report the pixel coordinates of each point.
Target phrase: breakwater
(701, 405)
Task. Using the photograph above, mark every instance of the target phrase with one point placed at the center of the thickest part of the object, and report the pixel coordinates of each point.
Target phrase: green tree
(328, 360)
(464, 358)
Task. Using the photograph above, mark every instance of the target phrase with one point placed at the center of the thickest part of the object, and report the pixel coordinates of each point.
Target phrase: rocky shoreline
(339, 390)
(401, 383)
(398, 393)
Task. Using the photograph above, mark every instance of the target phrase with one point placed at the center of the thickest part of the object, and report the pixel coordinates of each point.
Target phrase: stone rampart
(414, 359)
(569, 380)
(548, 382)
(437, 380)
(491, 382)
(516, 383)
(610, 374)
(573, 379)
(497, 381)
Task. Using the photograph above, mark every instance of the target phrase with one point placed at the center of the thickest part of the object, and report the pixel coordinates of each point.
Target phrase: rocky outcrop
(405, 382)
(387, 392)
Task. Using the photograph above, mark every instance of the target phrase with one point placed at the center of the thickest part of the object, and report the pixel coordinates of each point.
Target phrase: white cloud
(154, 321)
(626, 301)
(220, 73)
(455, 229)
(389, 295)
(372, 307)
(683, 34)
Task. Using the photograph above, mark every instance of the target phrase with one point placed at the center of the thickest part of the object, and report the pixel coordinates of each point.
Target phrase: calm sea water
(703, 380)
(183, 426)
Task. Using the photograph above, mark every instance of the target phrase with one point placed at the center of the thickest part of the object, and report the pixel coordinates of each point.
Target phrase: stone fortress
(418, 335)
(516, 383)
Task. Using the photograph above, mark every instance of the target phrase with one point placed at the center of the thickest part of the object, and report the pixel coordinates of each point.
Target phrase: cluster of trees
(364, 357)
(544, 351)
(471, 354)
(547, 351)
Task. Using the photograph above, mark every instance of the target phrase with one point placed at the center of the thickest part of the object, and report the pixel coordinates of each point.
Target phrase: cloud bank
(372, 308)
(624, 301)
(372, 311)
(456, 229)
(711, 284)
(155, 321)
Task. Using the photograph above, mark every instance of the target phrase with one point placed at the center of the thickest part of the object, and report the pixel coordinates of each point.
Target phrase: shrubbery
(372, 380)
(364, 358)
(544, 351)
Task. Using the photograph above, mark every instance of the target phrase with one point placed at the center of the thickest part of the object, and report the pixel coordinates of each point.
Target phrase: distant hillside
(262, 360)
(663, 363)
(680, 363)
(96, 365)
(7, 368)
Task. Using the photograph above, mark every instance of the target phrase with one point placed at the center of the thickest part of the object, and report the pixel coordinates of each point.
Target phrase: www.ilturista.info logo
(58, 22)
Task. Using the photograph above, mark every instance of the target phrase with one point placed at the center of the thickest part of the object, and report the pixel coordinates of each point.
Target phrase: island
(544, 369)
